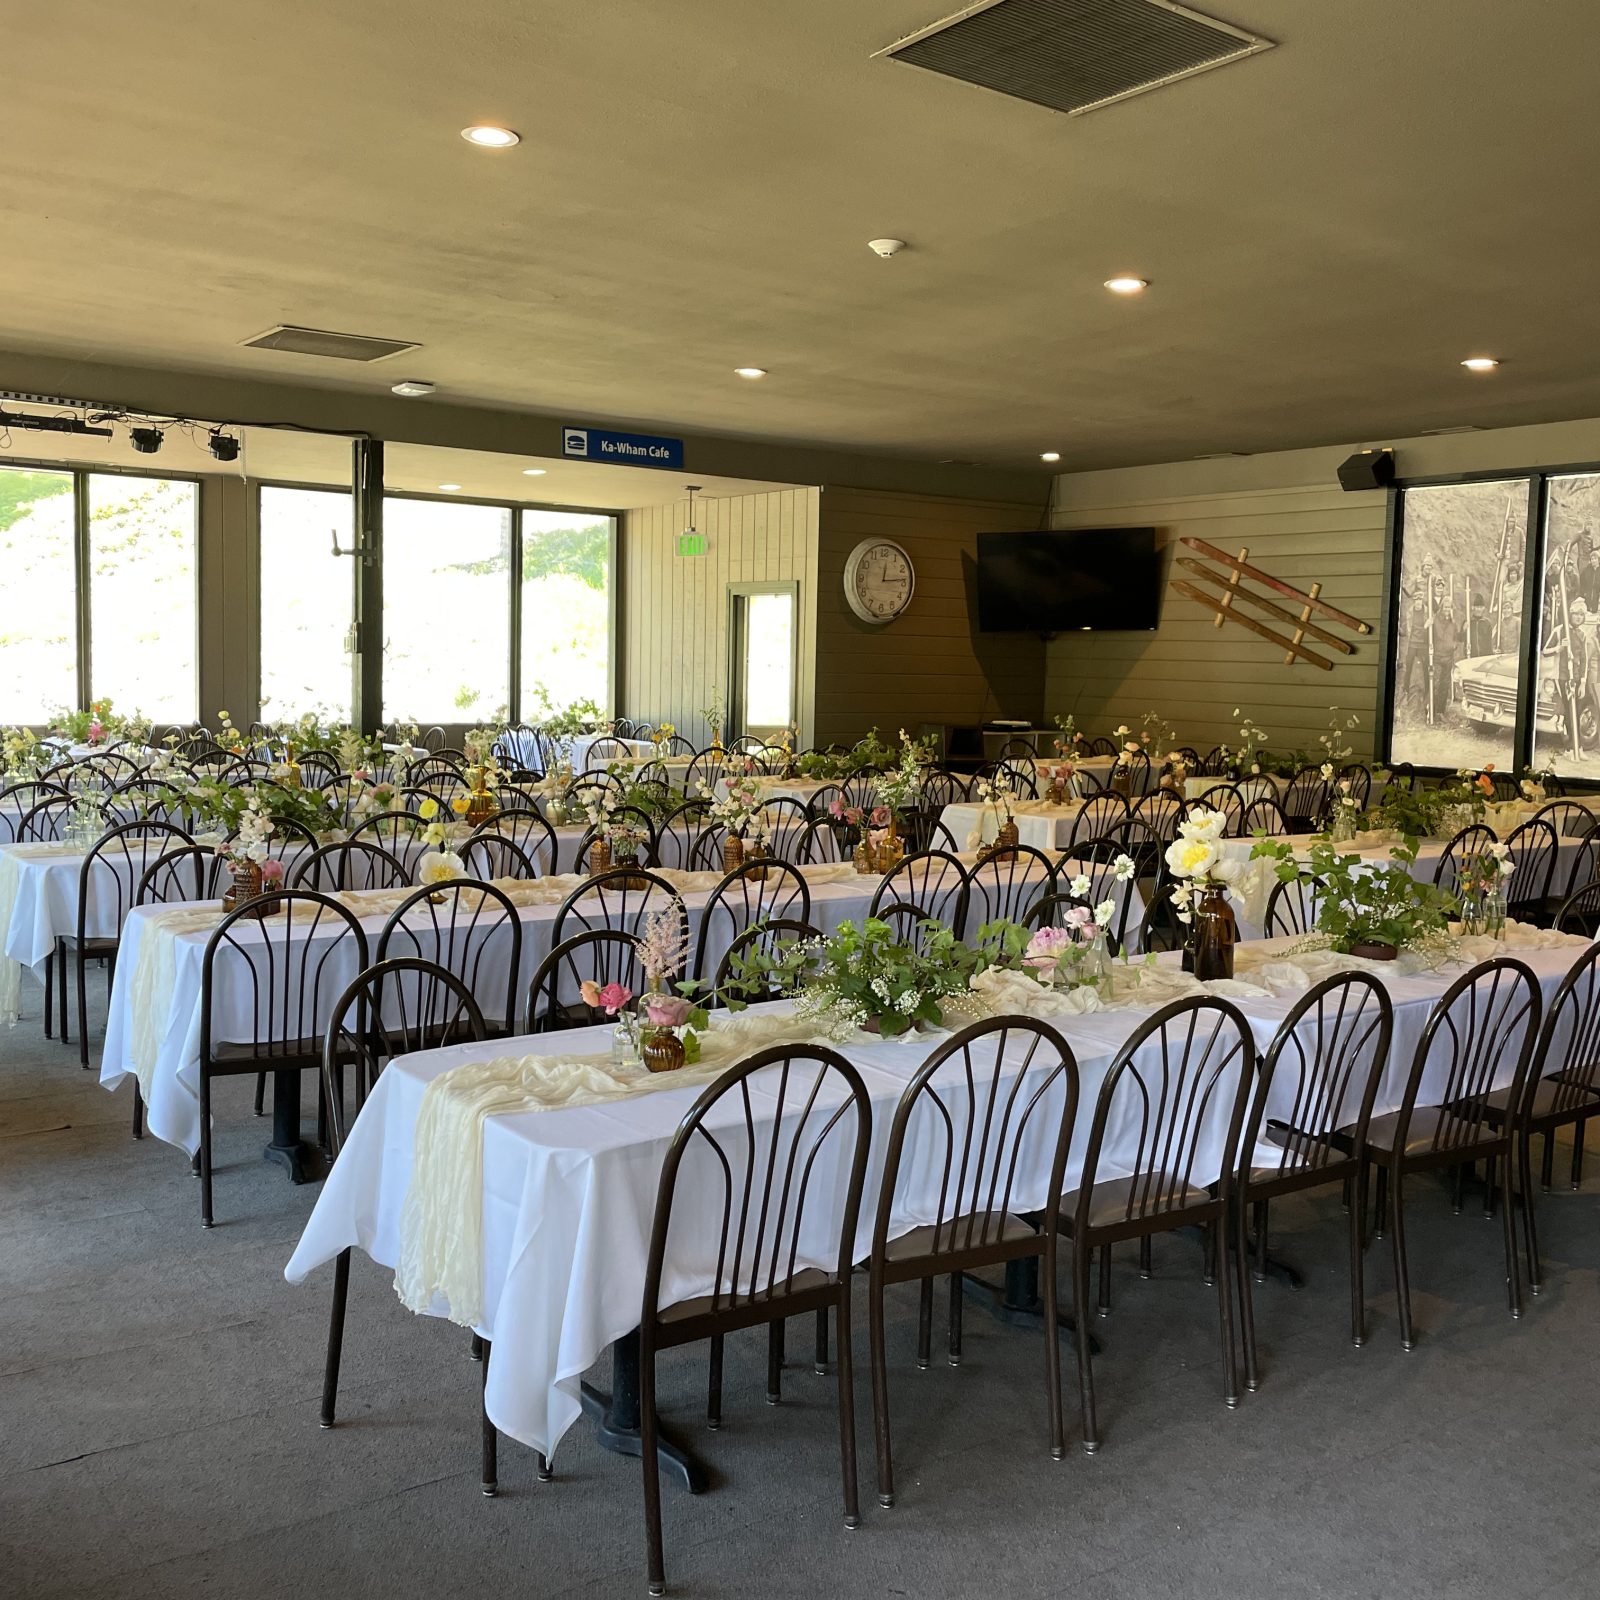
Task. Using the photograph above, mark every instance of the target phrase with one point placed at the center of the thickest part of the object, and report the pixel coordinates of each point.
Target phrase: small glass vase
(1494, 913)
(1216, 931)
(624, 1044)
(1472, 915)
(1096, 966)
(661, 1050)
(1343, 827)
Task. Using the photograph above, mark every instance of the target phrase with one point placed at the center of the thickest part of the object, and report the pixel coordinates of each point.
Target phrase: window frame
(1533, 554)
(82, 577)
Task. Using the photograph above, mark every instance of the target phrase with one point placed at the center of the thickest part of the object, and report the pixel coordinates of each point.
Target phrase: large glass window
(1458, 632)
(566, 609)
(1566, 733)
(38, 621)
(143, 642)
(307, 599)
(446, 611)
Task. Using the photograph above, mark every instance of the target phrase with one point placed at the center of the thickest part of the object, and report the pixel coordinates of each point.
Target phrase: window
(136, 540)
(446, 611)
(38, 618)
(143, 639)
(307, 600)
(761, 631)
(1569, 645)
(566, 609)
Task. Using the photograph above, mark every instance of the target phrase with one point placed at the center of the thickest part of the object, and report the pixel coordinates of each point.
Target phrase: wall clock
(879, 581)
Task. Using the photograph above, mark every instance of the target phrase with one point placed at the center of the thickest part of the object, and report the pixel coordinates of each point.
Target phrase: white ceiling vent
(1074, 55)
(319, 342)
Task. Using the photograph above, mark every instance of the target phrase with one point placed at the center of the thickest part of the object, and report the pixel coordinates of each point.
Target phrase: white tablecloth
(568, 1194)
(1040, 825)
(802, 789)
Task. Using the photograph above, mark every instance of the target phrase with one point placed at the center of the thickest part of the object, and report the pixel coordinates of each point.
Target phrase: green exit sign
(691, 544)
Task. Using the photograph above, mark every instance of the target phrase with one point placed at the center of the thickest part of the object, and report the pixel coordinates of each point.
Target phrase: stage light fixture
(224, 447)
(146, 440)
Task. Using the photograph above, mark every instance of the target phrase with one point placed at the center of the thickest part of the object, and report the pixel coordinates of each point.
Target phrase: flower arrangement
(1335, 743)
(1196, 860)
(1246, 756)
(440, 867)
(1068, 735)
(251, 843)
(1344, 813)
(899, 787)
(24, 755)
(1061, 779)
(625, 835)
(1364, 908)
(661, 738)
(715, 715)
(1155, 732)
(1074, 955)
(741, 807)
(100, 724)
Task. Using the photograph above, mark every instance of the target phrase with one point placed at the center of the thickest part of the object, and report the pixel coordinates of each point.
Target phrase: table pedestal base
(302, 1161)
(617, 1415)
(1016, 1302)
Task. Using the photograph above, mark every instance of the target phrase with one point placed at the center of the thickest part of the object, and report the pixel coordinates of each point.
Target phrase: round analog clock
(879, 580)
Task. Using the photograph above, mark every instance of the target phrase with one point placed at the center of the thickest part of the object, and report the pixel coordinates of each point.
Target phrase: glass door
(762, 639)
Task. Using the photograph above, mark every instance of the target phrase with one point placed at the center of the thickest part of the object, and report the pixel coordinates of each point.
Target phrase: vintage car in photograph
(1485, 687)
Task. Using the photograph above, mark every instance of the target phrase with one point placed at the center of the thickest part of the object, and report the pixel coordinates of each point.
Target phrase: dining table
(549, 1197)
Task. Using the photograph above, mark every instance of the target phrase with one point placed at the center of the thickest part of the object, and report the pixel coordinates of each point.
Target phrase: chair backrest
(1018, 746)
(620, 899)
(941, 789)
(1306, 798)
(285, 972)
(187, 872)
(392, 1008)
(1360, 782)
(1292, 906)
(1160, 928)
(597, 955)
(1320, 1073)
(1580, 911)
(486, 856)
(1163, 811)
(349, 864)
(1479, 1037)
(677, 832)
(1567, 1056)
(978, 1117)
(761, 1162)
(786, 819)
(1223, 797)
(931, 884)
(1174, 1097)
(392, 830)
(1022, 776)
(18, 799)
(704, 770)
(1101, 746)
(1471, 841)
(1006, 888)
(1267, 814)
(46, 820)
(770, 936)
(820, 841)
(742, 899)
(1099, 814)
(115, 867)
(1093, 872)
(469, 928)
(1534, 848)
(1570, 819)
(608, 749)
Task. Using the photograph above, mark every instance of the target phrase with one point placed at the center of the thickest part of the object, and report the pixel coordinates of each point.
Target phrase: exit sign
(691, 544)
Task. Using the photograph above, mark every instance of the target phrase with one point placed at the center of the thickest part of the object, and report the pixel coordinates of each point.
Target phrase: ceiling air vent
(1075, 55)
(319, 342)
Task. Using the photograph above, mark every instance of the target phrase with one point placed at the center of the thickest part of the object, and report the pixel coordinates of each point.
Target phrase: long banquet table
(567, 1193)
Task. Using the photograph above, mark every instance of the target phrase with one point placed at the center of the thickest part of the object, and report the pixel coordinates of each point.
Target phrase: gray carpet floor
(159, 1389)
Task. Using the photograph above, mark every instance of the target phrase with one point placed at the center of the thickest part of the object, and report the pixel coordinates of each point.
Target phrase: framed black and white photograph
(1458, 624)
(1566, 734)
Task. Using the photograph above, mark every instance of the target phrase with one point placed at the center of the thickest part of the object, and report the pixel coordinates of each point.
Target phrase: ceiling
(1329, 227)
(278, 456)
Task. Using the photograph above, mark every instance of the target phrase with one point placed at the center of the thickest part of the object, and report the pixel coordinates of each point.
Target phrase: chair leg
(1146, 1267)
(1491, 1173)
(1247, 1310)
(1208, 1271)
(1260, 1267)
(138, 1111)
(878, 1360)
(261, 1093)
(1358, 1261)
(1402, 1280)
(83, 1009)
(1530, 1224)
(847, 1412)
(1105, 1280)
(1508, 1210)
(820, 1363)
(1218, 1237)
(61, 989)
(925, 1324)
(49, 998)
(206, 1218)
(1080, 1313)
(1380, 1209)
(1052, 1359)
(956, 1299)
(491, 1435)
(1547, 1160)
(775, 1362)
(714, 1385)
(655, 1560)
(1577, 1153)
(330, 1370)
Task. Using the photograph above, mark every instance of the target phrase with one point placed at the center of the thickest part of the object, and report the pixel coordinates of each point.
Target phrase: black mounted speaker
(1367, 469)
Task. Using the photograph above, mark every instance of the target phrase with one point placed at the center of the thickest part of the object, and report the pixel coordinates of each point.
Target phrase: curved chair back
(770, 936)
(1006, 888)
(929, 886)
(597, 955)
(471, 930)
(349, 864)
(620, 899)
(741, 900)
(1292, 906)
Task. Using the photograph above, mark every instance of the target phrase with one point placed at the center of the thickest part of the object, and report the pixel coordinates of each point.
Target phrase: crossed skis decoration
(1225, 605)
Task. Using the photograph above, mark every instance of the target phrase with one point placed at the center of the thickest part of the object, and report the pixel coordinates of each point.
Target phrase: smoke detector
(886, 247)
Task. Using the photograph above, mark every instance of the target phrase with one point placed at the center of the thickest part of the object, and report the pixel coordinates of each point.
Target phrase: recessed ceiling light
(1050, 455)
(750, 372)
(411, 387)
(1125, 285)
(1480, 363)
(449, 488)
(534, 472)
(490, 137)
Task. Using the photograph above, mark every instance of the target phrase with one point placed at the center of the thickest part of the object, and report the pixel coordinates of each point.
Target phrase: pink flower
(667, 1010)
(1045, 947)
(836, 808)
(1078, 917)
(614, 997)
(271, 871)
(96, 731)
(880, 816)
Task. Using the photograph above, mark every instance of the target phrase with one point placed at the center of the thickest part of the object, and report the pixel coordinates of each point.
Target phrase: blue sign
(622, 449)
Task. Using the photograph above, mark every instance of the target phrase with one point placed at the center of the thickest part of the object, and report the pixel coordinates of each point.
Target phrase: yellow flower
(460, 804)
(428, 810)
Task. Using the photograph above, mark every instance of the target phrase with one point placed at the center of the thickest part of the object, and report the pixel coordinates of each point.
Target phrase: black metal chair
(770, 936)
(1097, 861)
(620, 899)
(1360, 782)
(472, 931)
(1161, 929)
(929, 886)
(786, 819)
(17, 800)
(973, 1106)
(1226, 798)
(1483, 1028)
(1163, 811)
(285, 980)
(1176, 1093)
(803, 1148)
(677, 832)
(1472, 841)
(820, 842)
(1004, 888)
(744, 898)
(393, 1008)
(1292, 906)
(941, 789)
(391, 830)
(1306, 799)
(45, 821)
(1100, 814)
(349, 864)
(1266, 814)
(1580, 911)
(1320, 1074)
(1534, 849)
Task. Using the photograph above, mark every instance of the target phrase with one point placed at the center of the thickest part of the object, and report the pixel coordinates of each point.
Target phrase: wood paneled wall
(1193, 673)
(674, 609)
(932, 665)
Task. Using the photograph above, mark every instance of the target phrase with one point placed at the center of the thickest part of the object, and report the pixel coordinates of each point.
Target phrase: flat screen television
(1065, 581)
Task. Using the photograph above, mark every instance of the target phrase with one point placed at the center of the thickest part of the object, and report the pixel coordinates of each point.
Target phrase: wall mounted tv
(1066, 581)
